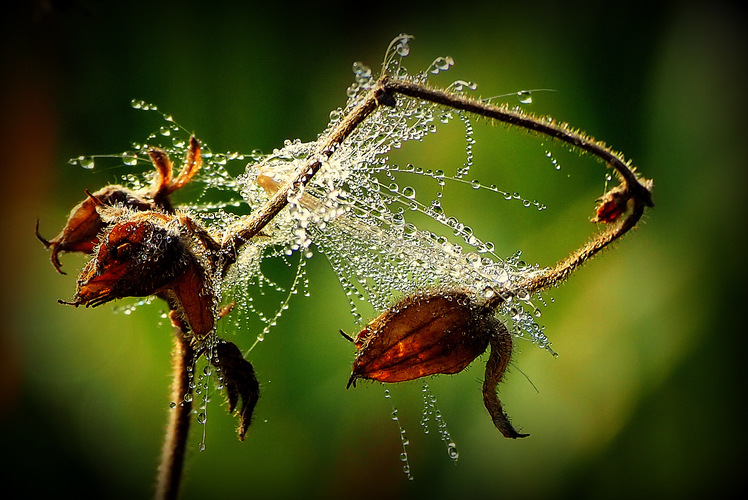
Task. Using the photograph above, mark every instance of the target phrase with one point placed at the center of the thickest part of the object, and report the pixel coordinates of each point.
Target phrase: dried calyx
(436, 332)
(81, 232)
(141, 247)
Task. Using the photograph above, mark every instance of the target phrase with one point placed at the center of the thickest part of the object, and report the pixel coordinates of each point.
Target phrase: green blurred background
(645, 398)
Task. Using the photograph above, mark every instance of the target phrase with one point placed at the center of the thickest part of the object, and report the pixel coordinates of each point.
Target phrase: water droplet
(129, 159)
(86, 162)
(409, 192)
(475, 184)
(524, 96)
(461, 85)
(201, 418)
(402, 48)
(452, 451)
(441, 64)
(362, 72)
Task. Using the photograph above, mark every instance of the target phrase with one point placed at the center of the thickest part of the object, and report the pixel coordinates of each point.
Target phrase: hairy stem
(175, 443)
(501, 351)
(638, 191)
(565, 267)
(521, 119)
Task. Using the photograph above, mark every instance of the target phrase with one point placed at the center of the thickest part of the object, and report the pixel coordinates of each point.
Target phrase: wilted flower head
(81, 231)
(149, 253)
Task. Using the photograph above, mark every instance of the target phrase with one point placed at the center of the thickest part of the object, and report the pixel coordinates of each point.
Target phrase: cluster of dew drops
(431, 416)
(376, 251)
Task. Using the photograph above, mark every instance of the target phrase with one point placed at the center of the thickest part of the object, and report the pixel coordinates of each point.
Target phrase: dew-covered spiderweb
(357, 209)
(360, 210)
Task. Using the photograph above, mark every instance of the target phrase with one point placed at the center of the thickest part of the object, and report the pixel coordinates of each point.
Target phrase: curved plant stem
(175, 443)
(501, 352)
(565, 267)
(632, 188)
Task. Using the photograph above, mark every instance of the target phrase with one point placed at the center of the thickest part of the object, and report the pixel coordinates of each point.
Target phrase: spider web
(357, 209)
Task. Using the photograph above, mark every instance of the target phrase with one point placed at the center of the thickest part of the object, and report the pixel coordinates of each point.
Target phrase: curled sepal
(84, 224)
(239, 381)
(501, 352)
(426, 333)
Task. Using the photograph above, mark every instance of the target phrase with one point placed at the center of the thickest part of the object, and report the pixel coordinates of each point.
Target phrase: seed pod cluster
(139, 247)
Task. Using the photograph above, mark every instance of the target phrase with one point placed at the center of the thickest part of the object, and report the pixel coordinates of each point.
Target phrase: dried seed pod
(145, 253)
(83, 226)
(423, 334)
(436, 332)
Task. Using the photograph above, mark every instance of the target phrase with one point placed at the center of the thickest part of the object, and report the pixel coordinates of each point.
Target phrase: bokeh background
(646, 396)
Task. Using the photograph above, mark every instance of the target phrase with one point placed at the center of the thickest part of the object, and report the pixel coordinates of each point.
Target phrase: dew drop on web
(86, 162)
(525, 96)
(431, 414)
(404, 441)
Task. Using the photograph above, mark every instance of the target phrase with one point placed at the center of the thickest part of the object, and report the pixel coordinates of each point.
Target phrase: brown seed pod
(424, 334)
(84, 224)
(435, 332)
(145, 253)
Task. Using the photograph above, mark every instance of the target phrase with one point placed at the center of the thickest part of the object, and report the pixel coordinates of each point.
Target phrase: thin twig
(382, 94)
(516, 117)
(175, 443)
